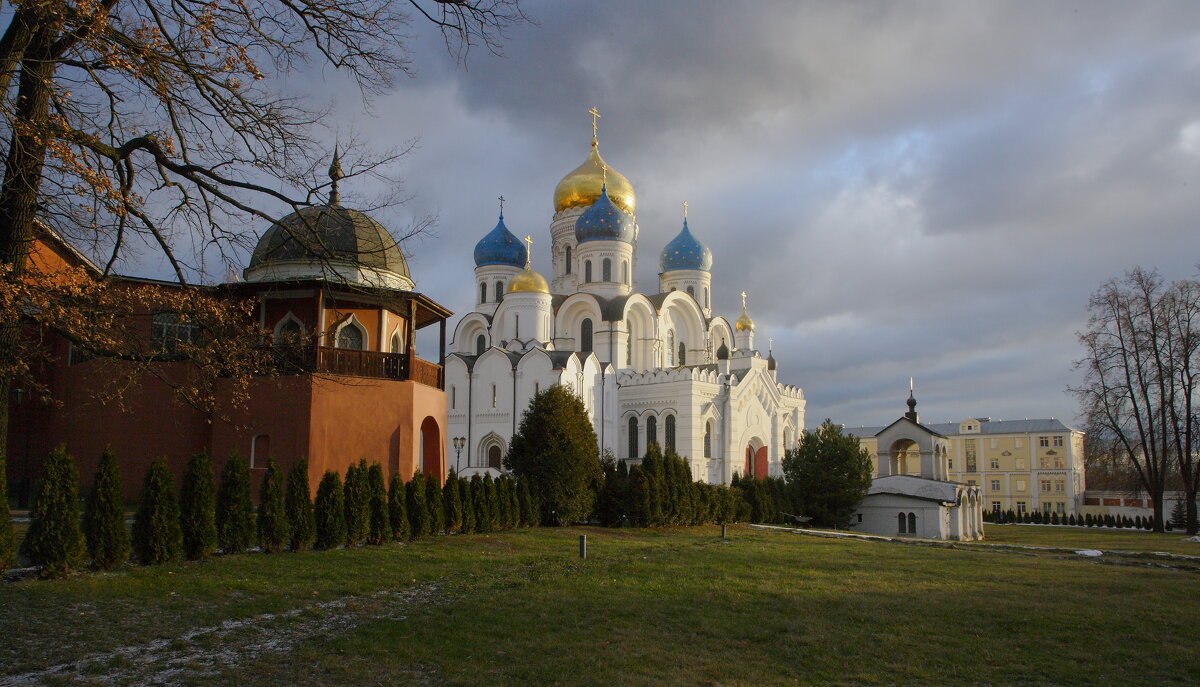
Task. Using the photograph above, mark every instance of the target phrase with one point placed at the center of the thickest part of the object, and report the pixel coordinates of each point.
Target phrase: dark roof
(330, 232)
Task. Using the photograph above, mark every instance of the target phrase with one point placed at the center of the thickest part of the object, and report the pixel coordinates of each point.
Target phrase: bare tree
(160, 123)
(1139, 384)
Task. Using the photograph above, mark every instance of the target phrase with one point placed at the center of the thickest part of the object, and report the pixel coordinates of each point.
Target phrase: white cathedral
(649, 367)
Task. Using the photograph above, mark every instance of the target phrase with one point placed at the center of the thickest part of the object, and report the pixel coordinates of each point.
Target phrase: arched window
(912, 523)
(568, 252)
(625, 272)
(350, 337)
(708, 439)
(480, 344)
(587, 271)
(483, 292)
(606, 270)
(499, 290)
(585, 336)
(902, 523)
(493, 395)
(682, 353)
(453, 397)
(651, 430)
(670, 348)
(289, 332)
(516, 325)
(260, 450)
(706, 296)
(691, 291)
(397, 343)
(629, 349)
(633, 437)
(670, 432)
(494, 459)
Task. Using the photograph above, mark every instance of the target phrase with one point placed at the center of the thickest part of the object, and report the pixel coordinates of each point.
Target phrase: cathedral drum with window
(650, 368)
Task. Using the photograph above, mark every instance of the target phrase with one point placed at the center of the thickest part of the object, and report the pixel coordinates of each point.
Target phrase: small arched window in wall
(453, 397)
(260, 451)
(397, 342)
(682, 353)
(633, 437)
(288, 332)
(706, 296)
(480, 344)
(629, 349)
(516, 325)
(670, 432)
(585, 336)
(912, 523)
(606, 270)
(350, 335)
(499, 291)
(691, 291)
(568, 259)
(625, 272)
(493, 395)
(483, 292)
(651, 430)
(901, 523)
(708, 439)
(587, 271)
(670, 348)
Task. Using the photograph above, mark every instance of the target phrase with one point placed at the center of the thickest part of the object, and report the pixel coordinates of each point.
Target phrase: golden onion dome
(528, 281)
(744, 323)
(581, 187)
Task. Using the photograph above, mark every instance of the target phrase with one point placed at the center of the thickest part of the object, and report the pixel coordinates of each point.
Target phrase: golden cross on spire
(528, 249)
(595, 127)
(743, 300)
(501, 206)
(685, 209)
(770, 344)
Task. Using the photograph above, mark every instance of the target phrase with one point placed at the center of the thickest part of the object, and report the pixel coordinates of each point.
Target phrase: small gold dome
(528, 281)
(581, 187)
(744, 323)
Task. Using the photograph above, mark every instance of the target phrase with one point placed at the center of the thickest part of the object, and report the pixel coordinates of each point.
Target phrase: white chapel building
(649, 367)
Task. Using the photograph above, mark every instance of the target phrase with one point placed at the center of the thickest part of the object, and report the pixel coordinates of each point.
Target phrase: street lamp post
(459, 442)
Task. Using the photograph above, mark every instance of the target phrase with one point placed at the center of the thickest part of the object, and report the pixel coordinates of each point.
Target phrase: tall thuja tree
(235, 510)
(418, 511)
(54, 543)
(433, 501)
(503, 516)
(641, 497)
(301, 521)
(491, 503)
(157, 537)
(530, 513)
(452, 504)
(273, 531)
(198, 508)
(463, 485)
(555, 448)
(652, 466)
(104, 516)
(330, 512)
(483, 521)
(829, 472)
(356, 498)
(380, 528)
(514, 503)
(398, 509)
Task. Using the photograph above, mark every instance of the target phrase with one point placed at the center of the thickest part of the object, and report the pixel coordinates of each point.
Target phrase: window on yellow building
(971, 451)
(1046, 485)
(1060, 484)
(1058, 442)
(949, 463)
(995, 463)
(995, 485)
(1044, 442)
(1021, 507)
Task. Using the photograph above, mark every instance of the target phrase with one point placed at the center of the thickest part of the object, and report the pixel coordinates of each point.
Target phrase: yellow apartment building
(1023, 465)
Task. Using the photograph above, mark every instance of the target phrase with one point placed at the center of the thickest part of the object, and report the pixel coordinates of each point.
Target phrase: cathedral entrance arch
(491, 452)
(756, 459)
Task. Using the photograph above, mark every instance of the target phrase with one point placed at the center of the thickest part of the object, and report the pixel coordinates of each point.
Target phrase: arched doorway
(905, 457)
(756, 459)
(431, 448)
(494, 458)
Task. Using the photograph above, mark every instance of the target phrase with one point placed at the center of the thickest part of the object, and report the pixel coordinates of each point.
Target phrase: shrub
(380, 526)
(529, 509)
(7, 534)
(452, 503)
(555, 449)
(433, 501)
(197, 508)
(503, 510)
(157, 537)
(356, 495)
(491, 500)
(1054, 519)
(301, 520)
(54, 542)
(273, 531)
(398, 509)
(468, 506)
(104, 516)
(235, 510)
(479, 505)
(330, 512)
(418, 511)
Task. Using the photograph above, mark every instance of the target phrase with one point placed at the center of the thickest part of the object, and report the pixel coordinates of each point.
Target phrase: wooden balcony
(352, 363)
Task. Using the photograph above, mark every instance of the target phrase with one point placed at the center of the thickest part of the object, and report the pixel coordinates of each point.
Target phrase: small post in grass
(583, 546)
(723, 533)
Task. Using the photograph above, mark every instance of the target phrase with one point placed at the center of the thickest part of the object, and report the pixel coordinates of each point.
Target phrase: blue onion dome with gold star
(604, 221)
(500, 247)
(684, 252)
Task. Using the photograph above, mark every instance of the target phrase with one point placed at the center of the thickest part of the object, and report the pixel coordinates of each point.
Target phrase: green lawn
(647, 608)
(1090, 537)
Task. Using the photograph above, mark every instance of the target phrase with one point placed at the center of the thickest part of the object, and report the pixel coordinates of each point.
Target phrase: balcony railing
(352, 363)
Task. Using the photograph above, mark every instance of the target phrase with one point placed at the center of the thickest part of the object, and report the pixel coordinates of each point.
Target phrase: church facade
(655, 367)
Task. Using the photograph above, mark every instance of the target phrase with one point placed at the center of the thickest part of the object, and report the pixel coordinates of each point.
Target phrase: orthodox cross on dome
(528, 249)
(501, 199)
(604, 175)
(743, 300)
(685, 209)
(595, 126)
(335, 173)
(770, 345)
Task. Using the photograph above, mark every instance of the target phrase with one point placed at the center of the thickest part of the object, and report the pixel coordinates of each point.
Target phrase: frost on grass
(207, 651)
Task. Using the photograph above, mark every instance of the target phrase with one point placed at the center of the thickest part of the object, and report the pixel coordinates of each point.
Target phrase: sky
(918, 189)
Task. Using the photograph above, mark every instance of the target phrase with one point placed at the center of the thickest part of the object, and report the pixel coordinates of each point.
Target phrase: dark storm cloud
(925, 188)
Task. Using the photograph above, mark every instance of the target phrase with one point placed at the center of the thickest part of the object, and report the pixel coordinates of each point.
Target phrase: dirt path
(207, 651)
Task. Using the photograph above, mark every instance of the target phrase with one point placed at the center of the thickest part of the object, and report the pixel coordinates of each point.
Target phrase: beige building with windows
(1022, 465)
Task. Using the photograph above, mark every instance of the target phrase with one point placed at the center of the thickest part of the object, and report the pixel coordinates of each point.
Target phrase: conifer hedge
(273, 531)
(452, 504)
(380, 526)
(418, 511)
(197, 508)
(54, 542)
(398, 509)
(330, 512)
(235, 510)
(7, 534)
(298, 504)
(157, 537)
(463, 485)
(104, 516)
(479, 504)
(530, 513)
(491, 503)
(356, 498)
(433, 501)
